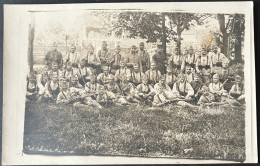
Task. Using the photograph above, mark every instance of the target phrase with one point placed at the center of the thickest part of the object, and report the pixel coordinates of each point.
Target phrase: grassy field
(171, 131)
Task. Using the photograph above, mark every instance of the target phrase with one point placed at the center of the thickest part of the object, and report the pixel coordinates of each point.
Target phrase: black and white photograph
(136, 83)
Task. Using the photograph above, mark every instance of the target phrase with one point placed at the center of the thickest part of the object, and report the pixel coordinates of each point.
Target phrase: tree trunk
(238, 49)
(164, 34)
(30, 44)
(179, 41)
(225, 45)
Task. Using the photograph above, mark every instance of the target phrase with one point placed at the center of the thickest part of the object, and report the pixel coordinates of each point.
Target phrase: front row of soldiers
(82, 87)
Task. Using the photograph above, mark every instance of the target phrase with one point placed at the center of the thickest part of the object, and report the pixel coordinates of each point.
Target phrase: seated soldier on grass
(189, 76)
(92, 87)
(162, 86)
(160, 98)
(123, 71)
(170, 77)
(144, 92)
(197, 85)
(216, 87)
(237, 91)
(206, 97)
(153, 74)
(102, 78)
(74, 82)
(136, 75)
(69, 71)
(114, 91)
(55, 70)
(103, 97)
(83, 73)
(227, 74)
(128, 90)
(42, 79)
(64, 97)
(52, 89)
(182, 89)
(32, 88)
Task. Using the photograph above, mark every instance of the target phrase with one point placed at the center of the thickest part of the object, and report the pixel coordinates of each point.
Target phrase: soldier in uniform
(160, 59)
(197, 85)
(204, 66)
(153, 74)
(160, 98)
(170, 76)
(182, 89)
(74, 82)
(176, 59)
(69, 71)
(103, 77)
(145, 58)
(162, 86)
(92, 87)
(227, 74)
(144, 92)
(206, 97)
(105, 56)
(133, 58)
(52, 89)
(92, 60)
(216, 87)
(237, 91)
(64, 97)
(217, 58)
(83, 73)
(128, 90)
(123, 71)
(54, 55)
(73, 57)
(32, 88)
(55, 71)
(189, 58)
(116, 59)
(42, 79)
(136, 75)
(189, 76)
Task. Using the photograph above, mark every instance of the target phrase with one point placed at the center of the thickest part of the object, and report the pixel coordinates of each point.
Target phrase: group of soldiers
(192, 78)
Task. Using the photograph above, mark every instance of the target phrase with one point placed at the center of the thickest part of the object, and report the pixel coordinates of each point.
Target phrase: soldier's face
(106, 71)
(136, 68)
(82, 64)
(238, 80)
(169, 70)
(69, 67)
(55, 79)
(181, 78)
(73, 80)
(122, 65)
(176, 51)
(91, 51)
(215, 79)
(162, 81)
(188, 70)
(93, 79)
(191, 51)
(54, 67)
(141, 47)
(204, 52)
(196, 78)
(153, 66)
(117, 51)
(159, 49)
(104, 46)
(73, 49)
(45, 70)
(133, 50)
(225, 65)
(111, 80)
(54, 48)
(215, 50)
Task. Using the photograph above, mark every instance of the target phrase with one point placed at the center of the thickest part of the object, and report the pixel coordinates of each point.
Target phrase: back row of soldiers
(193, 78)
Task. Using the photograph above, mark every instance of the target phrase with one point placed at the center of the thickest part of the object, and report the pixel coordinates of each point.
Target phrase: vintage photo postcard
(129, 83)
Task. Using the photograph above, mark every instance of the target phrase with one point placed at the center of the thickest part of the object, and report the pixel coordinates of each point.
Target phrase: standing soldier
(136, 75)
(133, 58)
(105, 56)
(116, 59)
(226, 74)
(54, 55)
(73, 57)
(204, 66)
(153, 74)
(145, 58)
(189, 58)
(92, 60)
(160, 59)
(176, 59)
(217, 58)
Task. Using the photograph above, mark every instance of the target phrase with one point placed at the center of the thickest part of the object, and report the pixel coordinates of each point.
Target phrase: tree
(182, 21)
(226, 25)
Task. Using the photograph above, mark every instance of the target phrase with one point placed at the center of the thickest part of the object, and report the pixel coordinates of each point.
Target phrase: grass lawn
(171, 131)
